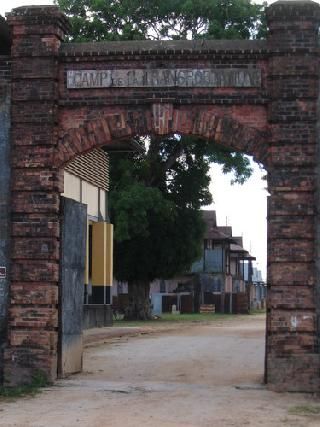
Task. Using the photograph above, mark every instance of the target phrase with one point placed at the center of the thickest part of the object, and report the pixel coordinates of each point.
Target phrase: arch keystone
(162, 118)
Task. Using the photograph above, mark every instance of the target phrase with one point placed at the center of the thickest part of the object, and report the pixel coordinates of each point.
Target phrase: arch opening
(227, 302)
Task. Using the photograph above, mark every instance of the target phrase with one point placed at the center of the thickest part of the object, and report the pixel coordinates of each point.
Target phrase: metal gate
(73, 256)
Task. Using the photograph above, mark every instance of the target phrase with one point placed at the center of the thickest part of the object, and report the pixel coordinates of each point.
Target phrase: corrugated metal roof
(238, 240)
(224, 233)
(214, 232)
(237, 248)
(227, 230)
(92, 167)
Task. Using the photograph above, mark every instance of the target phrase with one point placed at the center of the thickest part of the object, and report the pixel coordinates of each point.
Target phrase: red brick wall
(292, 348)
(36, 183)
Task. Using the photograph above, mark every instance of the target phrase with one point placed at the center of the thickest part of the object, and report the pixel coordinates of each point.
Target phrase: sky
(244, 207)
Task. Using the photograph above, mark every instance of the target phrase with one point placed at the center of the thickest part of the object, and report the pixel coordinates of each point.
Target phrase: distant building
(222, 276)
(86, 181)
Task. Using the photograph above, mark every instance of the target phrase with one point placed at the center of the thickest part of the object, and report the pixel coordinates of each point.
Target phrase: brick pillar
(33, 313)
(5, 95)
(292, 349)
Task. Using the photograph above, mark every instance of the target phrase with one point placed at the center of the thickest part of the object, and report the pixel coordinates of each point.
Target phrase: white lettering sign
(230, 77)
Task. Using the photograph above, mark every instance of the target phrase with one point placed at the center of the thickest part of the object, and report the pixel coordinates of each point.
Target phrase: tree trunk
(139, 307)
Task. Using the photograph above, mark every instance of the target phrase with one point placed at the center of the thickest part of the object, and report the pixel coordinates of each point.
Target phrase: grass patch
(305, 410)
(194, 317)
(174, 318)
(39, 380)
(258, 311)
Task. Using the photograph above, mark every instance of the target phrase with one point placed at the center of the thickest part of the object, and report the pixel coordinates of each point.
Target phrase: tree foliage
(155, 203)
(163, 19)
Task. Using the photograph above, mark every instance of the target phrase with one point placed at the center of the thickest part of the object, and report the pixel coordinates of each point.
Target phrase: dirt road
(194, 376)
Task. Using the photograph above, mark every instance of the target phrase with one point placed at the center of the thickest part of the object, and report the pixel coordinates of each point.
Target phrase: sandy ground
(199, 375)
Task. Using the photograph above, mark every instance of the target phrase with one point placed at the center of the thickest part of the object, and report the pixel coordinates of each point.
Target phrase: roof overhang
(237, 249)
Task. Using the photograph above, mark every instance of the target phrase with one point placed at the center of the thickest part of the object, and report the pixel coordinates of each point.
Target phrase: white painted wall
(81, 191)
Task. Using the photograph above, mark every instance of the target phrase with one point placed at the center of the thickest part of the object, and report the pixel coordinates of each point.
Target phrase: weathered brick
(30, 134)
(43, 179)
(291, 250)
(291, 203)
(34, 339)
(292, 111)
(33, 317)
(295, 343)
(293, 373)
(35, 293)
(162, 118)
(40, 90)
(294, 66)
(35, 201)
(293, 133)
(35, 46)
(286, 227)
(293, 179)
(33, 157)
(35, 248)
(21, 363)
(293, 155)
(291, 297)
(284, 321)
(37, 113)
(35, 225)
(35, 68)
(291, 87)
(290, 273)
(34, 271)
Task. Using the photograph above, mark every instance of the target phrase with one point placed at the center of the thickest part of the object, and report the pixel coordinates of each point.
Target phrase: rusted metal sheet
(73, 253)
(186, 304)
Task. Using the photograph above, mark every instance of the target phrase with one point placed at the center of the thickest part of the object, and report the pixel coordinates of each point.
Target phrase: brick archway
(160, 119)
(258, 97)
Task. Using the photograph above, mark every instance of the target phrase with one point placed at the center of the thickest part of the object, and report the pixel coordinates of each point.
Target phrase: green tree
(156, 195)
(163, 19)
(155, 201)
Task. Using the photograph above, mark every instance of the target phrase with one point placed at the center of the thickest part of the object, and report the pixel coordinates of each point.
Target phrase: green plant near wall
(39, 381)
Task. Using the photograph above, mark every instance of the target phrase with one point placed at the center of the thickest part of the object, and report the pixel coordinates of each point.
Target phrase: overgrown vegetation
(258, 311)
(39, 380)
(305, 410)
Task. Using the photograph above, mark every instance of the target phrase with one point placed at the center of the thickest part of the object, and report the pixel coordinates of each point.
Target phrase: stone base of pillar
(23, 365)
(294, 374)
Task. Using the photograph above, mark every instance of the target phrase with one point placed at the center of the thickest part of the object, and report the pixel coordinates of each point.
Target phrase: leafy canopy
(163, 19)
(155, 201)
